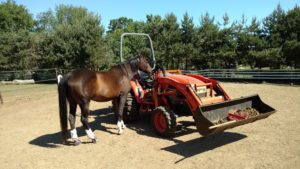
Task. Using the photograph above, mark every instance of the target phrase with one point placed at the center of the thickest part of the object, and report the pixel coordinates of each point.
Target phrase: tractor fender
(137, 90)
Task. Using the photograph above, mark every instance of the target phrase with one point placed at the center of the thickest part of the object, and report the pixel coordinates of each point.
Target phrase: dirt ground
(29, 136)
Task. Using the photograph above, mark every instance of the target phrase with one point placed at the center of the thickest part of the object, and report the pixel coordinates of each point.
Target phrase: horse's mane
(130, 61)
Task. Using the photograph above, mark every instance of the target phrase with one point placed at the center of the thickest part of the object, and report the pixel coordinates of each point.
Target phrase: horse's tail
(62, 99)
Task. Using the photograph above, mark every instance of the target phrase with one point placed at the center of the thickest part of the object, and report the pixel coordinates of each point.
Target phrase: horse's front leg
(84, 119)
(120, 124)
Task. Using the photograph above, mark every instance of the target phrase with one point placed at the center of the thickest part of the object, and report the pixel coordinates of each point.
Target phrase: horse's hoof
(77, 142)
(64, 142)
(94, 140)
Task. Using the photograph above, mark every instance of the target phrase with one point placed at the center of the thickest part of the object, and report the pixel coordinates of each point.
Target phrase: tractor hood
(182, 79)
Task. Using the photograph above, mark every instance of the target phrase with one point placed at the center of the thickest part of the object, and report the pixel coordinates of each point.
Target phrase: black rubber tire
(170, 120)
(130, 111)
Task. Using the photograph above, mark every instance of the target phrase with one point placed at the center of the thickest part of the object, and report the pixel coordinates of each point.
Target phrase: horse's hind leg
(84, 119)
(72, 119)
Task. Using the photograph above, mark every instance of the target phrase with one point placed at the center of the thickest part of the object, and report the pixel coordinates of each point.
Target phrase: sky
(138, 9)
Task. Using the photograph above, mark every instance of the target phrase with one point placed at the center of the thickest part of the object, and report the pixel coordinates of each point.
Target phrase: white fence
(283, 76)
(39, 75)
(288, 76)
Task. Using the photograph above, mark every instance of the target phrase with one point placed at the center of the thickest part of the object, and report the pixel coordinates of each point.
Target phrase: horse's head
(143, 65)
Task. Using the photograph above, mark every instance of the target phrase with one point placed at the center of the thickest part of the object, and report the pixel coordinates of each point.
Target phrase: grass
(26, 87)
(11, 93)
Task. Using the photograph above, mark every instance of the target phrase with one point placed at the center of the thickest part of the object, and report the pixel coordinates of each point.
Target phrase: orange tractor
(171, 94)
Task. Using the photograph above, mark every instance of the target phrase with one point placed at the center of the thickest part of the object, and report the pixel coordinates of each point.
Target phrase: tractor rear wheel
(164, 121)
(130, 111)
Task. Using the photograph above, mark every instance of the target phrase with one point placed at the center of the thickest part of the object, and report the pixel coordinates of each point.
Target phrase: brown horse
(81, 86)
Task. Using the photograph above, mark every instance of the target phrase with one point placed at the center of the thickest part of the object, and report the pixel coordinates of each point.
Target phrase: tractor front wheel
(164, 121)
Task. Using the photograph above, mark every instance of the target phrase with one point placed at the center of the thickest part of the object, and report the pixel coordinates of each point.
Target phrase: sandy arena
(30, 138)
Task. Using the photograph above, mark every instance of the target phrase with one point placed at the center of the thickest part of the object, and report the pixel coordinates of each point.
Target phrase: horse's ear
(140, 58)
(146, 59)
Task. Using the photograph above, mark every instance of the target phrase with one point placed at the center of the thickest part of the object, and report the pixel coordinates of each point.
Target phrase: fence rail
(39, 75)
(288, 76)
(283, 76)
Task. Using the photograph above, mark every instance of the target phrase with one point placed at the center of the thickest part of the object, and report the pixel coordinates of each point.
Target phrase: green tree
(120, 23)
(171, 42)
(17, 51)
(16, 42)
(14, 17)
(291, 48)
(154, 27)
(132, 45)
(275, 27)
(188, 33)
(207, 43)
(227, 49)
(254, 42)
(73, 39)
(46, 22)
(268, 57)
(251, 44)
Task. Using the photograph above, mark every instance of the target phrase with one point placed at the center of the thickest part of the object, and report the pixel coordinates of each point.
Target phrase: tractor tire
(130, 111)
(164, 121)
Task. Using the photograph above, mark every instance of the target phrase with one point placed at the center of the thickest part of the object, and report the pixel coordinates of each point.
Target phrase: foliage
(14, 17)
(16, 42)
(17, 51)
(72, 37)
(187, 35)
(132, 46)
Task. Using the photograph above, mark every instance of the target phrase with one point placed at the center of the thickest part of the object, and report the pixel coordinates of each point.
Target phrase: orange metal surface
(212, 100)
(179, 79)
(184, 84)
(175, 71)
(135, 86)
(215, 84)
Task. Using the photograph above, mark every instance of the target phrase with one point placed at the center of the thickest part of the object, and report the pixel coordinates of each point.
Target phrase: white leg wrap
(119, 124)
(74, 134)
(90, 133)
(123, 125)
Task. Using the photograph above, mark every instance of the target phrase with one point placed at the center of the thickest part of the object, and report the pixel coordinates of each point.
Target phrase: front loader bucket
(209, 119)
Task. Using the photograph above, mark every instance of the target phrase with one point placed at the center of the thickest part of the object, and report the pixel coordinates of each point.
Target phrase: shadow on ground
(53, 140)
(144, 127)
(200, 145)
(187, 148)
